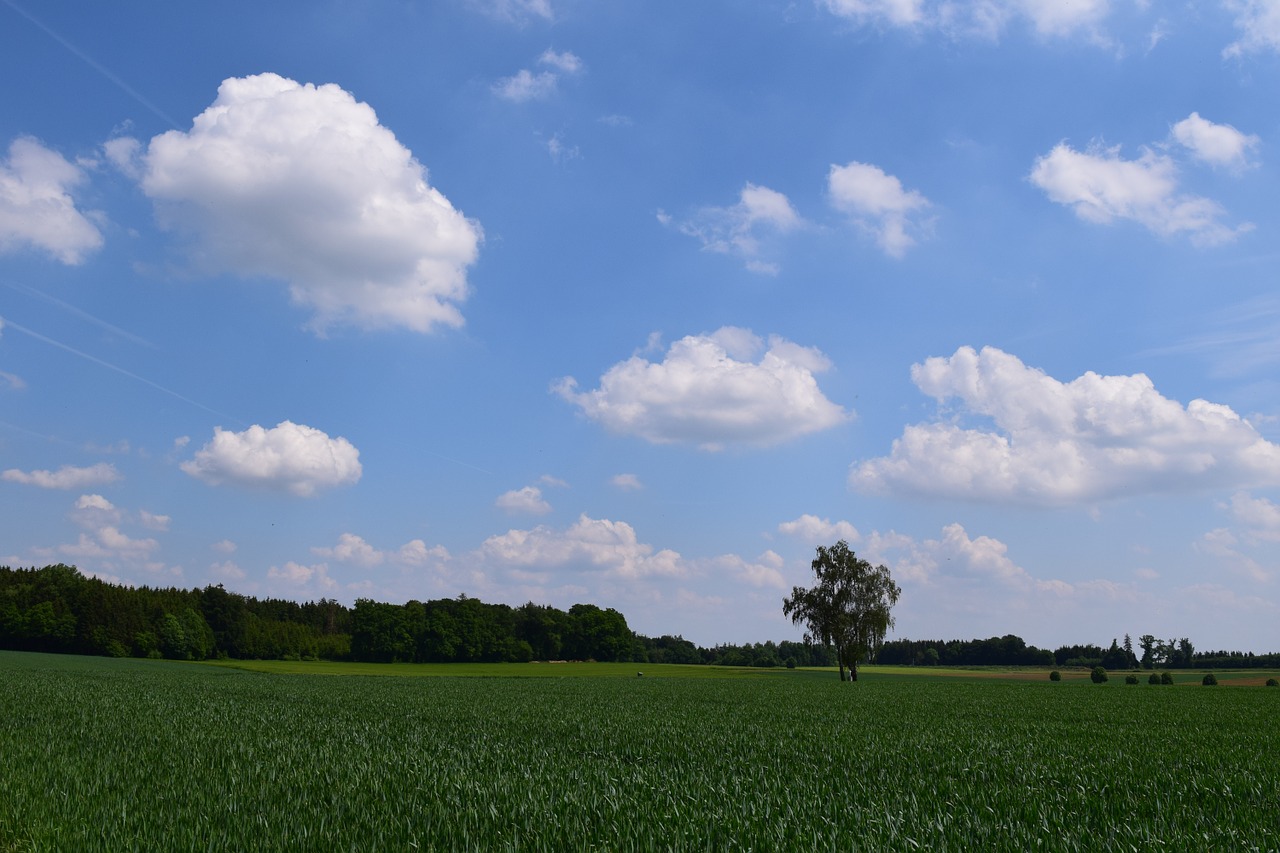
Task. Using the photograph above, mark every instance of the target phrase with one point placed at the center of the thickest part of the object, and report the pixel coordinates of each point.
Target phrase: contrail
(125, 87)
(9, 324)
(84, 315)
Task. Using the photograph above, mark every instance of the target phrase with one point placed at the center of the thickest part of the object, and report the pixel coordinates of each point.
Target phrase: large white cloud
(288, 457)
(739, 228)
(1101, 186)
(713, 390)
(1056, 443)
(301, 183)
(66, 477)
(877, 202)
(595, 544)
(36, 207)
(1215, 144)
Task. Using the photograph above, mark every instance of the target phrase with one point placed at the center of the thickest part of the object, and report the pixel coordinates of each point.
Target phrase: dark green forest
(59, 609)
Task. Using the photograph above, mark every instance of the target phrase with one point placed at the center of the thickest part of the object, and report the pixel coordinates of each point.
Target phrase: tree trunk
(853, 670)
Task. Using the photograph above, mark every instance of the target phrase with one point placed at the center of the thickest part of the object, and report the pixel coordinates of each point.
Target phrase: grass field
(103, 754)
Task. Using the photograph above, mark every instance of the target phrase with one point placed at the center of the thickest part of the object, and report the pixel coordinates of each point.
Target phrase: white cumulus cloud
(1215, 144)
(739, 228)
(526, 500)
(713, 390)
(878, 204)
(811, 528)
(301, 183)
(590, 544)
(288, 457)
(1101, 186)
(1059, 443)
(66, 477)
(36, 207)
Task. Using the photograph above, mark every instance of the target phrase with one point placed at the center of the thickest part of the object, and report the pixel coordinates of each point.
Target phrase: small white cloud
(518, 12)
(898, 13)
(1101, 186)
(739, 229)
(590, 544)
(125, 153)
(301, 183)
(1056, 443)
(227, 570)
(288, 457)
(554, 482)
(565, 62)
(94, 511)
(416, 553)
(819, 530)
(1216, 144)
(298, 579)
(225, 546)
(764, 572)
(626, 482)
(152, 521)
(710, 390)
(1259, 24)
(561, 152)
(352, 549)
(985, 19)
(66, 477)
(527, 500)
(878, 204)
(526, 85)
(36, 207)
(12, 380)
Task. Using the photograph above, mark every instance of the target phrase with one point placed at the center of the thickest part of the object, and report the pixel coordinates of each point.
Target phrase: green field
(102, 754)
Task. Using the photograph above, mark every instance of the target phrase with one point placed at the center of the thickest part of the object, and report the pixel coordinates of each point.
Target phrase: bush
(1131, 679)
(1209, 680)
(1099, 675)
(1153, 679)
(1055, 676)
(1271, 682)
(1166, 678)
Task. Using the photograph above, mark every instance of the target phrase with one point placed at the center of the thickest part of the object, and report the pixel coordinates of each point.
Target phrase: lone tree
(848, 608)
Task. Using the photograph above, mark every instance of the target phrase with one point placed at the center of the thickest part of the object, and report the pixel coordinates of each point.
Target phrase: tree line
(58, 609)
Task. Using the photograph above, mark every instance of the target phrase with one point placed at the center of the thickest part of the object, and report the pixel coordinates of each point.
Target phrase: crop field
(103, 754)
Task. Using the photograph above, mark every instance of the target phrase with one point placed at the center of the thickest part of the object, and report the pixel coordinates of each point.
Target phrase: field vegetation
(117, 754)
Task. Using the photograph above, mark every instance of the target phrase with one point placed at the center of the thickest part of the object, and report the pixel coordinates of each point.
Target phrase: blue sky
(636, 303)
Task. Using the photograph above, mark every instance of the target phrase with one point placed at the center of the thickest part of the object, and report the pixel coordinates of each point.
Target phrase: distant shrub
(791, 663)
(1153, 678)
(1055, 676)
(1099, 675)
(1166, 678)
(1131, 679)
(1209, 680)
(1271, 682)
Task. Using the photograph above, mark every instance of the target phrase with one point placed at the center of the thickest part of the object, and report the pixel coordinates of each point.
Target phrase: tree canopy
(849, 607)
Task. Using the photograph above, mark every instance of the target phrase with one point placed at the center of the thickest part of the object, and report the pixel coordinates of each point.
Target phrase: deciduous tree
(848, 608)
